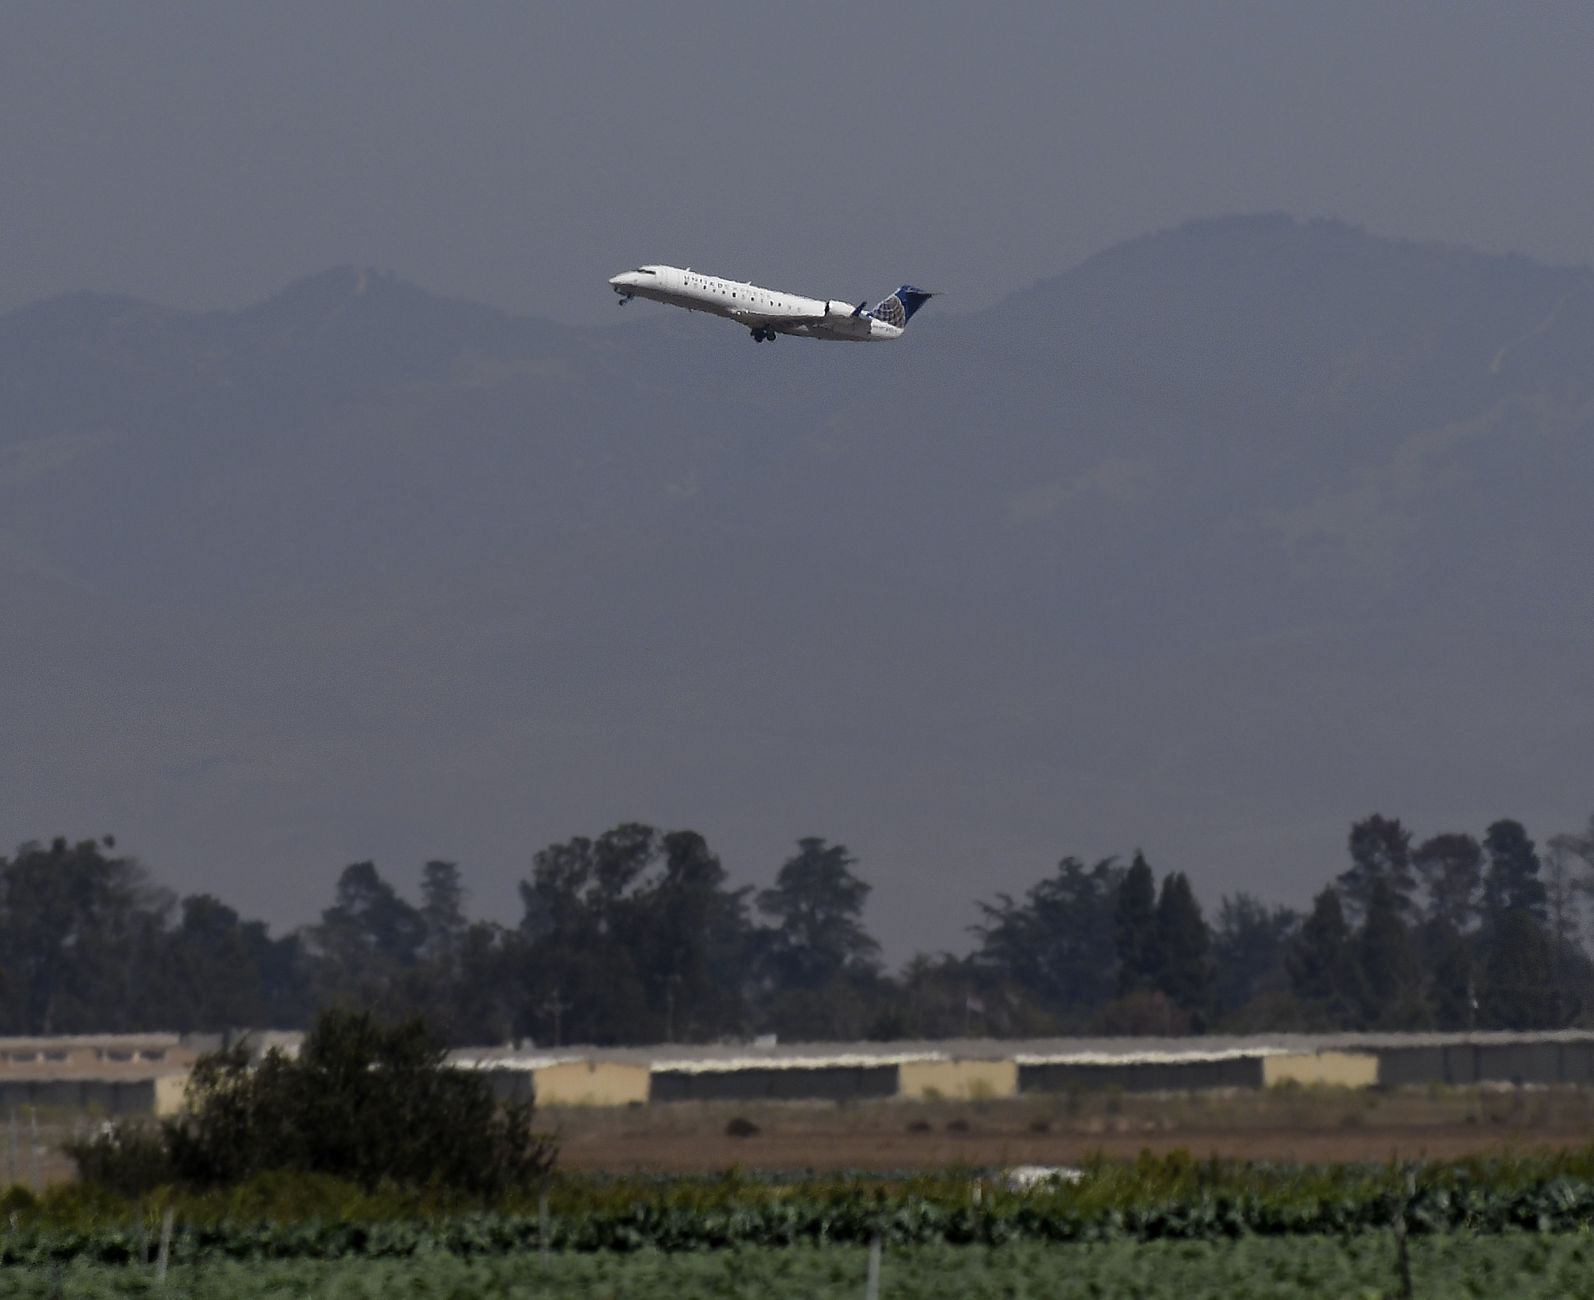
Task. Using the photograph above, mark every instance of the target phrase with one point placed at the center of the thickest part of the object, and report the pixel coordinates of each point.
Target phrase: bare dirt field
(1305, 1124)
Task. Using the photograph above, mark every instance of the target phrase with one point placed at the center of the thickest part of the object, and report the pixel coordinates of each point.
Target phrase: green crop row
(280, 1216)
(1520, 1266)
(1558, 1206)
(1105, 1185)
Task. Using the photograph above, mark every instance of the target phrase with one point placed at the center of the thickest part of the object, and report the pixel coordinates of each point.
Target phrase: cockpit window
(645, 270)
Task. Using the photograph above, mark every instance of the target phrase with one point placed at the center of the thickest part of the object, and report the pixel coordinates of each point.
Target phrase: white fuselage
(768, 310)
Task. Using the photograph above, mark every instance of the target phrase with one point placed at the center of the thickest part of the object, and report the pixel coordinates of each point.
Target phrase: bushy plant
(362, 1101)
(127, 1159)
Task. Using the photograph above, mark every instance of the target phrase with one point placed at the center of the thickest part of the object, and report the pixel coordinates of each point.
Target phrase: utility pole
(556, 1006)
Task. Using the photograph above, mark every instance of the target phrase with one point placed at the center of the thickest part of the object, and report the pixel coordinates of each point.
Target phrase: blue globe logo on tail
(898, 309)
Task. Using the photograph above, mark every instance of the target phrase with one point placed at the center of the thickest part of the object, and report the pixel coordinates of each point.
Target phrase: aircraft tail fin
(898, 309)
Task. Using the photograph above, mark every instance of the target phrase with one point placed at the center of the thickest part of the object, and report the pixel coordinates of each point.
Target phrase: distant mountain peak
(1260, 240)
(336, 290)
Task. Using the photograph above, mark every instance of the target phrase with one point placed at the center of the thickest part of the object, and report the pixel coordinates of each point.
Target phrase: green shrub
(363, 1102)
(17, 1199)
(128, 1160)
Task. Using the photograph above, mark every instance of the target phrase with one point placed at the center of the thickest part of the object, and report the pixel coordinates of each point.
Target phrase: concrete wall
(1141, 1076)
(510, 1084)
(1331, 1069)
(1459, 1064)
(170, 1091)
(766, 1083)
(962, 1080)
(108, 1097)
(590, 1083)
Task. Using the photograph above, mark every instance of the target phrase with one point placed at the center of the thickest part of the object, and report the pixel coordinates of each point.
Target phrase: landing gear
(624, 298)
(763, 336)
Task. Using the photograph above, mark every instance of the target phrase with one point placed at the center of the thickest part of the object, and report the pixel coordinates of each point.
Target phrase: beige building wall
(590, 1083)
(957, 1080)
(73, 1059)
(170, 1089)
(1334, 1069)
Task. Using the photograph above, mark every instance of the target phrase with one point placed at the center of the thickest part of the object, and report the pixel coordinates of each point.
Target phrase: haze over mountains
(1223, 538)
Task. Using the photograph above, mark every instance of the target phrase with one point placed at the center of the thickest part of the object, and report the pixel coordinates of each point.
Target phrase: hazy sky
(207, 154)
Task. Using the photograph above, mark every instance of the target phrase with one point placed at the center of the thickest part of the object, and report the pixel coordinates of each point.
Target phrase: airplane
(768, 312)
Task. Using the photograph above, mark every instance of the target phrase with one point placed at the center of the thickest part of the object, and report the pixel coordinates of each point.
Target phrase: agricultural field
(1278, 1124)
(1462, 1265)
(1308, 1125)
(1151, 1201)
(1289, 1192)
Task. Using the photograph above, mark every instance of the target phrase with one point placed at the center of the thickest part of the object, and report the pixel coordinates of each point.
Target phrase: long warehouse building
(988, 1068)
(146, 1073)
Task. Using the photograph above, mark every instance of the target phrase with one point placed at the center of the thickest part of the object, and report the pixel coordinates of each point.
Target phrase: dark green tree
(1578, 847)
(817, 908)
(1135, 935)
(442, 912)
(1517, 985)
(366, 942)
(1511, 882)
(489, 1000)
(1564, 889)
(1057, 945)
(1184, 971)
(1380, 850)
(581, 939)
(1452, 992)
(1390, 976)
(697, 943)
(944, 996)
(214, 970)
(433, 983)
(633, 937)
(1249, 944)
(82, 940)
(1324, 974)
(1450, 867)
(286, 981)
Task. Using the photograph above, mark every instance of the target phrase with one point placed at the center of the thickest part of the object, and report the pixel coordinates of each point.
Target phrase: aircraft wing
(775, 319)
(841, 321)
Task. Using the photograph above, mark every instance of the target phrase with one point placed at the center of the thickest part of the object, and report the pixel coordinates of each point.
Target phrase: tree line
(638, 936)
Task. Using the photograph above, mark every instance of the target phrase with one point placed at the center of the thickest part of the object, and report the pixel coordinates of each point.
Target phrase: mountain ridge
(1103, 565)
